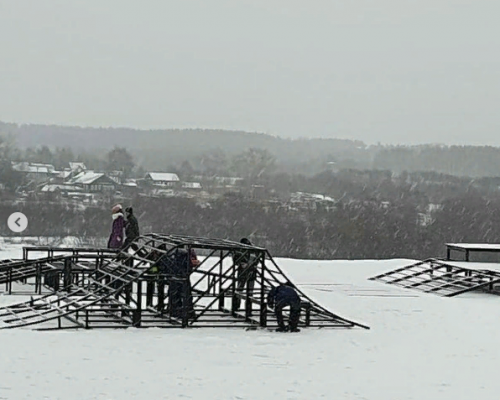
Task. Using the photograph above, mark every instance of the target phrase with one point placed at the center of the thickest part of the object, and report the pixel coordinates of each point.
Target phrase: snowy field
(420, 347)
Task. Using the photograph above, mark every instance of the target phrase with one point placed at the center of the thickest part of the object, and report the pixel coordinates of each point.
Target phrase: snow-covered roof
(86, 177)
(228, 179)
(77, 165)
(162, 177)
(311, 196)
(80, 194)
(130, 183)
(33, 167)
(53, 187)
(191, 185)
(64, 174)
(115, 179)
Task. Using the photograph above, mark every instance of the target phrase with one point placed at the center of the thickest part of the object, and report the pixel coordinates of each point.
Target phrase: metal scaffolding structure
(448, 277)
(153, 283)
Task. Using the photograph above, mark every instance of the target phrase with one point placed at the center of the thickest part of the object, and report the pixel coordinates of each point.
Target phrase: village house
(52, 191)
(116, 176)
(192, 186)
(227, 181)
(310, 201)
(61, 176)
(34, 172)
(162, 179)
(129, 187)
(91, 181)
(77, 167)
(224, 184)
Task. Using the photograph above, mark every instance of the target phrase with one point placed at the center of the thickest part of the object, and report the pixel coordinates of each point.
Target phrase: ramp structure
(153, 283)
(446, 277)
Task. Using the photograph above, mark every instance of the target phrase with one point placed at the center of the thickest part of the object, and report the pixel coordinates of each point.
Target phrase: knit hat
(245, 241)
(116, 208)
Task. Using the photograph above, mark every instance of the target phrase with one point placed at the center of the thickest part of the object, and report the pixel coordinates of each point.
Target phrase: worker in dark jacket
(131, 227)
(246, 269)
(180, 296)
(278, 298)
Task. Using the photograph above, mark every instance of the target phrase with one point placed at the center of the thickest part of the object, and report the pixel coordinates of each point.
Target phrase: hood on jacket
(117, 215)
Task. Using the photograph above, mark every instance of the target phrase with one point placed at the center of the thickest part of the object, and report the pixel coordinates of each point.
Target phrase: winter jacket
(131, 229)
(117, 233)
(246, 264)
(175, 263)
(282, 295)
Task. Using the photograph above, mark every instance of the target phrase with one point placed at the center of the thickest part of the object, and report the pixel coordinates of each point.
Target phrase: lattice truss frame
(439, 277)
(98, 288)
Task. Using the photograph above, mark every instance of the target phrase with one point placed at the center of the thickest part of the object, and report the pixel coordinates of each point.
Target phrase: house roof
(130, 182)
(76, 165)
(88, 177)
(163, 176)
(228, 180)
(64, 174)
(115, 179)
(298, 196)
(55, 187)
(33, 167)
(191, 185)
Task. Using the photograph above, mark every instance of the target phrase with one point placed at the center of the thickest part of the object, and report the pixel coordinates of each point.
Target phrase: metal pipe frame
(105, 289)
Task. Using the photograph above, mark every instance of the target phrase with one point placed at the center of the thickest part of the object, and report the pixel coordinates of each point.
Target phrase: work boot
(295, 330)
(282, 329)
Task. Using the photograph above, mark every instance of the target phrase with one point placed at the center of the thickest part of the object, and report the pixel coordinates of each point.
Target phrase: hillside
(153, 148)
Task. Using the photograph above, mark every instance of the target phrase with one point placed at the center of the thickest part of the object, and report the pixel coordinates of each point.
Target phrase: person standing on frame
(116, 239)
(246, 268)
(131, 228)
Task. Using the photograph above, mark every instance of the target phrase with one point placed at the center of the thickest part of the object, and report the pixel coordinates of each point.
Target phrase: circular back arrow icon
(17, 222)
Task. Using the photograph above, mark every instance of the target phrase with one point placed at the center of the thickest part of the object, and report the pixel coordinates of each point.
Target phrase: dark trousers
(294, 313)
(159, 283)
(179, 294)
(244, 283)
(150, 291)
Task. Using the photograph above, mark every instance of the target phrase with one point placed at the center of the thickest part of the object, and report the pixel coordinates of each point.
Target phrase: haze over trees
(212, 151)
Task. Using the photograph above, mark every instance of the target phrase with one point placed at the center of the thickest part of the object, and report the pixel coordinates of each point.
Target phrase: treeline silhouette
(374, 217)
(162, 149)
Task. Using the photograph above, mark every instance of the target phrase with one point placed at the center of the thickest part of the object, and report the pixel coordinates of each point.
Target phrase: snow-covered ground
(420, 347)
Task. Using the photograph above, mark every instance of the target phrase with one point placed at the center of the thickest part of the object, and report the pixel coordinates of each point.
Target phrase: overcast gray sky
(394, 71)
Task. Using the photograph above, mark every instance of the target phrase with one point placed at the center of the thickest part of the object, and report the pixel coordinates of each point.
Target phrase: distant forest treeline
(162, 149)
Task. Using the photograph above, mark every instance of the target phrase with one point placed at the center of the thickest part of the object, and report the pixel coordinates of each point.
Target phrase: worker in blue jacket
(280, 297)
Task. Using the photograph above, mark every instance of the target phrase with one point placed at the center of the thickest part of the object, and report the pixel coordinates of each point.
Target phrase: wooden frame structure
(93, 288)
